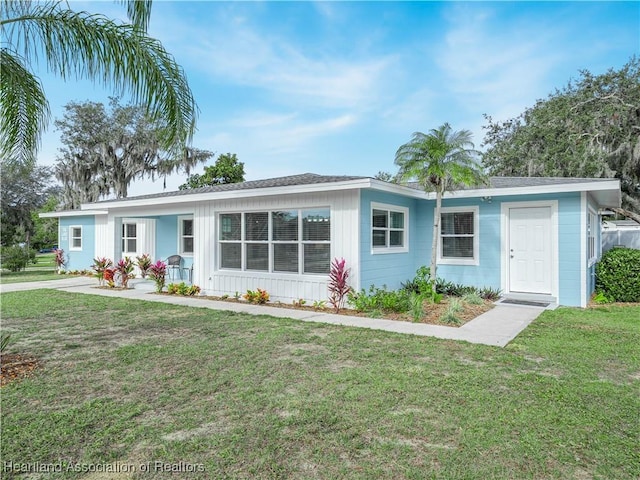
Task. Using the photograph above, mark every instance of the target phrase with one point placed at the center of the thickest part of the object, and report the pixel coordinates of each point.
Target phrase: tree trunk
(626, 213)
(435, 244)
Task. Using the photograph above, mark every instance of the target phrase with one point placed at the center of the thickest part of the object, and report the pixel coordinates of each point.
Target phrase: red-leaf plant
(100, 266)
(158, 272)
(59, 259)
(338, 285)
(125, 268)
(144, 262)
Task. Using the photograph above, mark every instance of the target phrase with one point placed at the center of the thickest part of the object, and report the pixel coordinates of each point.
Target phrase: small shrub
(109, 276)
(618, 275)
(258, 296)
(172, 288)
(158, 272)
(451, 314)
(100, 265)
(472, 299)
(381, 299)
(338, 283)
(59, 260)
(124, 268)
(237, 295)
(144, 263)
(319, 304)
(601, 298)
(417, 306)
(488, 293)
(15, 258)
(299, 303)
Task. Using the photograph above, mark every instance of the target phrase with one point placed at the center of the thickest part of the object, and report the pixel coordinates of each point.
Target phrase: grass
(43, 269)
(262, 397)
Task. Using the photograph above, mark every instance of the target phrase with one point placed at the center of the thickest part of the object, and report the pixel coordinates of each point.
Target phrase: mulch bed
(14, 366)
(432, 312)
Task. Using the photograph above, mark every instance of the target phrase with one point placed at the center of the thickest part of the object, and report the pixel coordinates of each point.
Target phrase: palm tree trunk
(434, 245)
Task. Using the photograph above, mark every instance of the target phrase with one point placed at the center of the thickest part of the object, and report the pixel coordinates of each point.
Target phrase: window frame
(386, 249)
(475, 260)
(182, 236)
(271, 243)
(73, 248)
(125, 238)
(592, 226)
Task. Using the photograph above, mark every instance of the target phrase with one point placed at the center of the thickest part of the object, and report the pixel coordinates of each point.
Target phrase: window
(75, 238)
(129, 238)
(459, 236)
(592, 228)
(186, 235)
(389, 229)
(283, 241)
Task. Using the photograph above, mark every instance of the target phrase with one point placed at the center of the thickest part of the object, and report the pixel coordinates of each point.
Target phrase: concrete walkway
(497, 327)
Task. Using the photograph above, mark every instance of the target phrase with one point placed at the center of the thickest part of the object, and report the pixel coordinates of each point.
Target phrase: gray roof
(302, 179)
(519, 182)
(314, 179)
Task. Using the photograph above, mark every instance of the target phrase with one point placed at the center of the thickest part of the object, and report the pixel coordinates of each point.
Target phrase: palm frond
(139, 12)
(24, 111)
(80, 45)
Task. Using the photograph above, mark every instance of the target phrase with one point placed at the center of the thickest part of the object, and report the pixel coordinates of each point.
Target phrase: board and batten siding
(344, 207)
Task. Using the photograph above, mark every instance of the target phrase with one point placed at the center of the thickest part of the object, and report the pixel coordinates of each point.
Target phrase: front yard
(227, 395)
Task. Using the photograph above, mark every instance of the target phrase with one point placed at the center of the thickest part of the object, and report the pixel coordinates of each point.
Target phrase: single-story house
(534, 238)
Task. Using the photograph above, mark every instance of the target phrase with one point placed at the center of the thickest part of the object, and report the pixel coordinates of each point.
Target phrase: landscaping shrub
(15, 258)
(183, 289)
(618, 275)
(397, 301)
(258, 296)
(158, 272)
(338, 283)
(144, 263)
(100, 265)
(125, 268)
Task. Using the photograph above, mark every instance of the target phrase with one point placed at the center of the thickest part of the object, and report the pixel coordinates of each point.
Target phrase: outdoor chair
(174, 262)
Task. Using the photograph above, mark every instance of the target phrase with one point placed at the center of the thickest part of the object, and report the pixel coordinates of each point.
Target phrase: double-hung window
(129, 238)
(459, 236)
(281, 241)
(389, 233)
(75, 238)
(185, 225)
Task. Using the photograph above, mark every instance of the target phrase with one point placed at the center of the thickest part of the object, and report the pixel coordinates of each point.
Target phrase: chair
(174, 262)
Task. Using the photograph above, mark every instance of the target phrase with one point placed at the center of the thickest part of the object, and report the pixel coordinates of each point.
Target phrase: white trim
(504, 243)
(583, 249)
(475, 260)
(71, 237)
(123, 236)
(72, 213)
(181, 218)
(390, 208)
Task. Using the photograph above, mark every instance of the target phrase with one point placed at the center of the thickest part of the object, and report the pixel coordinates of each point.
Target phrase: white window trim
(181, 235)
(390, 208)
(476, 237)
(594, 234)
(124, 238)
(271, 272)
(71, 237)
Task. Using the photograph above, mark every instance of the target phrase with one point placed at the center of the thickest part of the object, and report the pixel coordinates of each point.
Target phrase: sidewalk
(497, 327)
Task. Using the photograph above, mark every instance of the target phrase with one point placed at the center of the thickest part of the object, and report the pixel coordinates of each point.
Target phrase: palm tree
(439, 161)
(81, 45)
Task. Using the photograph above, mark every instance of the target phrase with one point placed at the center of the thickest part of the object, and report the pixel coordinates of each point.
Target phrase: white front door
(530, 250)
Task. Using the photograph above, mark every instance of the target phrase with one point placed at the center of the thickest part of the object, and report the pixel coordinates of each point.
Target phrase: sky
(336, 87)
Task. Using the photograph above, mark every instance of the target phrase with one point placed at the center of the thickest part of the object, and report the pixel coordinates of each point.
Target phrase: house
(536, 238)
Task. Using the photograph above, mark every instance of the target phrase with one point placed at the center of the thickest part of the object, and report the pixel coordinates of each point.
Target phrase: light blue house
(533, 238)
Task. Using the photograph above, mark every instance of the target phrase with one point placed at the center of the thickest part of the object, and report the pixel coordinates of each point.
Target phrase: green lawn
(43, 269)
(262, 397)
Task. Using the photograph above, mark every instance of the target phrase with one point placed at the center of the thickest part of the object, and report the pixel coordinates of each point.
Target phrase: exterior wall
(284, 287)
(492, 259)
(388, 269)
(78, 259)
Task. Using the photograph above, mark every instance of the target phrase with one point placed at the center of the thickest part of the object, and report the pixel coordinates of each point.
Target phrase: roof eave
(72, 213)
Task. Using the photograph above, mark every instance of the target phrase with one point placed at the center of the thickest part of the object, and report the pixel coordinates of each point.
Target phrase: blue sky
(337, 87)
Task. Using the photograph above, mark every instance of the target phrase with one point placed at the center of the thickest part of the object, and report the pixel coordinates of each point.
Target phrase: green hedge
(618, 275)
